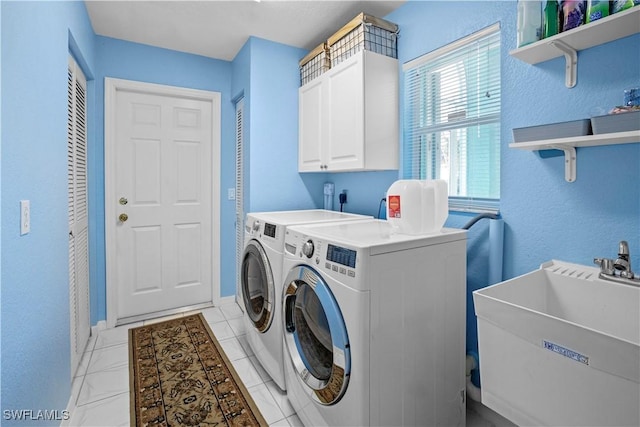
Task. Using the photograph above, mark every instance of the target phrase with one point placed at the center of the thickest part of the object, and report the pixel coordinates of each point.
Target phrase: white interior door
(162, 203)
(78, 214)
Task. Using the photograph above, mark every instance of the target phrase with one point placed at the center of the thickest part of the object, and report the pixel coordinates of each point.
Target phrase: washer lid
(306, 216)
(378, 236)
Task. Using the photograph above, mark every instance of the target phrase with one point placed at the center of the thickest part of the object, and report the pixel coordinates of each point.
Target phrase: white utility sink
(560, 347)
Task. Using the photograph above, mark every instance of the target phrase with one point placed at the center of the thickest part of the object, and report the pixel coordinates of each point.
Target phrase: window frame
(420, 159)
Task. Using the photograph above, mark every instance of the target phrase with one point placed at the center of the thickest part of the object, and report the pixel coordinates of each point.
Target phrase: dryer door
(257, 285)
(315, 335)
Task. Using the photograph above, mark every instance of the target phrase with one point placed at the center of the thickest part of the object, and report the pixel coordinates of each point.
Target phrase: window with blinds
(452, 119)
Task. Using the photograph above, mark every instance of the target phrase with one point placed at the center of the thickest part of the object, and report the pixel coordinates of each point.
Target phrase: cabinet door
(310, 121)
(345, 121)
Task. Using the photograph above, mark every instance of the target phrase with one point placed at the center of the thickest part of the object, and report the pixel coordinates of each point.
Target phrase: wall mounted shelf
(610, 28)
(569, 145)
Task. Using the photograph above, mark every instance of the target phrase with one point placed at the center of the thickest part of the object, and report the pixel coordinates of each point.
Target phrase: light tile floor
(101, 388)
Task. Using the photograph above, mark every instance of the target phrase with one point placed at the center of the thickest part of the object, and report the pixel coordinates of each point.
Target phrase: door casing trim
(111, 88)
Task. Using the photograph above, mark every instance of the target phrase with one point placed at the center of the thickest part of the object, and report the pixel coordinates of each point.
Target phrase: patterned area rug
(180, 376)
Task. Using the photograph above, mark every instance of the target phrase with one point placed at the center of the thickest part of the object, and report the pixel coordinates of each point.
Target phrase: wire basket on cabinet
(364, 32)
(314, 64)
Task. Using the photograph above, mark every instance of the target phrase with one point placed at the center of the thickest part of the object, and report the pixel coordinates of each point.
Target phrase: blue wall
(546, 217)
(36, 38)
(272, 164)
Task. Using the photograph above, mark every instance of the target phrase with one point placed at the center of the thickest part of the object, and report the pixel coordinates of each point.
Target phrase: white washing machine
(374, 325)
(261, 280)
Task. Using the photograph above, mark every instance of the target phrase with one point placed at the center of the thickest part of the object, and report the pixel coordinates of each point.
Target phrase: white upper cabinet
(349, 117)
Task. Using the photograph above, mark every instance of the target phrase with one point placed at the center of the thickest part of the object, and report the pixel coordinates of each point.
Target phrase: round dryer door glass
(315, 335)
(257, 286)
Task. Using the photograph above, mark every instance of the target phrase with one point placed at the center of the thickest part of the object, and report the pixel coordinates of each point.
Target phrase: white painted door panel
(164, 171)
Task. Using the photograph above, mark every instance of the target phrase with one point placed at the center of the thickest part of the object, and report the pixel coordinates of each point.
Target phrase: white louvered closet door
(78, 213)
(239, 196)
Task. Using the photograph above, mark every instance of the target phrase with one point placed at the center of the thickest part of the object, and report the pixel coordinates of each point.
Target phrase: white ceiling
(218, 29)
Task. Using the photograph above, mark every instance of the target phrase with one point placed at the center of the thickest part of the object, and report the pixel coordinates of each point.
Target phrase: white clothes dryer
(261, 280)
(374, 325)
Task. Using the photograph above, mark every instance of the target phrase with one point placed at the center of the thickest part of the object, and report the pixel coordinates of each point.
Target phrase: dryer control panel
(340, 255)
(333, 258)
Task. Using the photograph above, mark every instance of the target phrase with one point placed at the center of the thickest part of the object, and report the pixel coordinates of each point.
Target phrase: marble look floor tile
(76, 385)
(247, 372)
(222, 330)
(213, 315)
(112, 411)
(261, 371)
(109, 357)
(84, 363)
(114, 336)
(281, 399)
(294, 421)
(244, 342)
(237, 325)
(231, 311)
(101, 395)
(104, 384)
(475, 420)
(163, 319)
(268, 407)
(233, 349)
(91, 343)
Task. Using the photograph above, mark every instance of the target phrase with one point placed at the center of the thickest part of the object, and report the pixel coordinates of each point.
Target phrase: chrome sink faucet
(621, 266)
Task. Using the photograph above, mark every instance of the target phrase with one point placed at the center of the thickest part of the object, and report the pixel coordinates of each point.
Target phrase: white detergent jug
(529, 24)
(417, 207)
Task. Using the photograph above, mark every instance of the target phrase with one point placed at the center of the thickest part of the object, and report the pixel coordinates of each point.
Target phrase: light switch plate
(231, 193)
(25, 217)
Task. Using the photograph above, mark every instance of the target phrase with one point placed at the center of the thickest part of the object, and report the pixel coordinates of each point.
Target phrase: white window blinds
(452, 119)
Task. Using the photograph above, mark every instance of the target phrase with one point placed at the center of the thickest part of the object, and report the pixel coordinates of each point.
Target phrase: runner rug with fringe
(180, 376)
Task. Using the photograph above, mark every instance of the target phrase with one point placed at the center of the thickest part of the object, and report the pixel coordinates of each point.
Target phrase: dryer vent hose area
(475, 219)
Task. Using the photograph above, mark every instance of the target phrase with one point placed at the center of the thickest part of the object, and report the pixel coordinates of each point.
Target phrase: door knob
(123, 217)
(123, 201)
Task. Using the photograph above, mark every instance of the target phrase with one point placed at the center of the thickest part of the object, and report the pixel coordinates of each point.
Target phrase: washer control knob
(256, 225)
(307, 248)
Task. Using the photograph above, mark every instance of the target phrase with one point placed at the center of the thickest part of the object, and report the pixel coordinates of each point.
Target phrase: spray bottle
(551, 22)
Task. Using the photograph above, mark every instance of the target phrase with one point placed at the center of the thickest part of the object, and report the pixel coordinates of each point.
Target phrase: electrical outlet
(25, 217)
(231, 193)
(342, 197)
